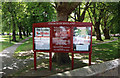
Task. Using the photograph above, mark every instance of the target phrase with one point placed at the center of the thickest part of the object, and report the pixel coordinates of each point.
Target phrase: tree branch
(90, 17)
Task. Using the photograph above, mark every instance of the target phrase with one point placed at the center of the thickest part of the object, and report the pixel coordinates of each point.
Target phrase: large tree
(64, 9)
(96, 14)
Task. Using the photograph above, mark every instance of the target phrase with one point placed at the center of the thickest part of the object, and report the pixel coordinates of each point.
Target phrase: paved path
(105, 42)
(7, 61)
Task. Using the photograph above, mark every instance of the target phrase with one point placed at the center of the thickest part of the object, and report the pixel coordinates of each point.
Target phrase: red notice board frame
(57, 24)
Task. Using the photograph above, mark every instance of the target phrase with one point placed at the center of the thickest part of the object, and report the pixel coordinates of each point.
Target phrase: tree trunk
(97, 30)
(27, 32)
(106, 33)
(20, 33)
(14, 38)
(24, 32)
(14, 28)
(61, 58)
(62, 16)
(64, 9)
(106, 30)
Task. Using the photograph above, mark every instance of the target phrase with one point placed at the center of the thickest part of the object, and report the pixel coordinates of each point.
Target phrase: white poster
(81, 38)
(42, 38)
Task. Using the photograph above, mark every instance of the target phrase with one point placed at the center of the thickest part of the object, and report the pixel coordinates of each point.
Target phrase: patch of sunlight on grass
(2, 39)
(97, 49)
(85, 61)
(111, 50)
(101, 61)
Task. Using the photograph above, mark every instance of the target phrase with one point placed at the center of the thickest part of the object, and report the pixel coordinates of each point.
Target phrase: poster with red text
(42, 38)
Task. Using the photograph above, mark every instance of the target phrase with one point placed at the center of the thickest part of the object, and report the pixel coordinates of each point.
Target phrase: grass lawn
(4, 41)
(104, 52)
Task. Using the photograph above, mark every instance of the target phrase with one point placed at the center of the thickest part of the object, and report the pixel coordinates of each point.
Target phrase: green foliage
(26, 14)
(114, 22)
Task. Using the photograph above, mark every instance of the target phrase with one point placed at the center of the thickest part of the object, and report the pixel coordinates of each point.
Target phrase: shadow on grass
(43, 68)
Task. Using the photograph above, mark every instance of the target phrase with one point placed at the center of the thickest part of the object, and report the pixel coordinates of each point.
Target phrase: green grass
(4, 42)
(5, 45)
(26, 46)
(104, 52)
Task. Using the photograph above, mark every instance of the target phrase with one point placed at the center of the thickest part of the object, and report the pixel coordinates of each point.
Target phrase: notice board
(62, 37)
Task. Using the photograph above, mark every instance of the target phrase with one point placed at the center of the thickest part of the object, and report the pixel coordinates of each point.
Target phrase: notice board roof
(57, 23)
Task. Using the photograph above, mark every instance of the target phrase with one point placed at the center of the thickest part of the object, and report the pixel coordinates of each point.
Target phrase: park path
(11, 65)
(8, 63)
(105, 42)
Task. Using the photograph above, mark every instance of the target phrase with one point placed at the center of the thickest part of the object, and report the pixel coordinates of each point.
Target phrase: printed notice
(42, 38)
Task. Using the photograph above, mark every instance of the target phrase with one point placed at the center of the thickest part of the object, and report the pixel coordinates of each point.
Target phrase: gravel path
(8, 63)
